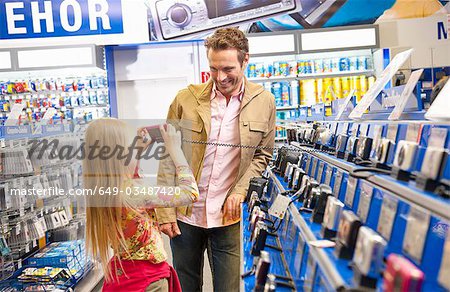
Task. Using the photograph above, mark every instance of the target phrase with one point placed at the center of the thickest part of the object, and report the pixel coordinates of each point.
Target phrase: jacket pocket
(195, 126)
(258, 127)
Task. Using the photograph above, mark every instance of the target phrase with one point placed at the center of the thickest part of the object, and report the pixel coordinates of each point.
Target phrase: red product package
(402, 275)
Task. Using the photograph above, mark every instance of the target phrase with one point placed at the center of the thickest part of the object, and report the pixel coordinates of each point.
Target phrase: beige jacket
(191, 112)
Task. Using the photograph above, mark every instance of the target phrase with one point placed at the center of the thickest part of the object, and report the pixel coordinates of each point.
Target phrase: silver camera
(405, 155)
(369, 251)
(433, 162)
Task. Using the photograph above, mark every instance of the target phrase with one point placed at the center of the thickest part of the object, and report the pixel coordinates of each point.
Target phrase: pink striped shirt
(221, 164)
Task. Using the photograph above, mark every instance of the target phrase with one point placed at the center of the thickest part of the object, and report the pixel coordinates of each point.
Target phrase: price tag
(333, 127)
(18, 229)
(387, 216)
(56, 221)
(392, 132)
(337, 183)
(416, 232)
(412, 132)
(329, 173)
(363, 129)
(279, 206)
(350, 193)
(308, 164)
(377, 132)
(345, 104)
(314, 167)
(406, 94)
(437, 137)
(40, 232)
(286, 224)
(298, 258)
(319, 175)
(293, 231)
(354, 129)
(444, 272)
(379, 84)
(63, 217)
(364, 201)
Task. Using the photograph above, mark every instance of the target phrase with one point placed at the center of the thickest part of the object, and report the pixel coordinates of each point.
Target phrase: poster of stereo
(194, 19)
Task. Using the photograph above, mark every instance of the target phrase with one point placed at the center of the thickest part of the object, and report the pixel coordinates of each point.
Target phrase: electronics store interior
(355, 192)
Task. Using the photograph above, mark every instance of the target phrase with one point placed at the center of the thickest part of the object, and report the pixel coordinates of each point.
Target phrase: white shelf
(286, 108)
(313, 76)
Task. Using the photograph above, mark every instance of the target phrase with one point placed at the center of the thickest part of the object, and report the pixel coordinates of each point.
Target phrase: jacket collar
(202, 92)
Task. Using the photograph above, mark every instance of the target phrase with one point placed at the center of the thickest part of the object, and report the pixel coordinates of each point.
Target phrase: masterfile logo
(42, 18)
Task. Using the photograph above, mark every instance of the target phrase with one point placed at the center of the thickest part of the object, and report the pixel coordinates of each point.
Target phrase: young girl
(119, 214)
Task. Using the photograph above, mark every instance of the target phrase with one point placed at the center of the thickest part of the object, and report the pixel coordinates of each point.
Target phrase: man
(226, 109)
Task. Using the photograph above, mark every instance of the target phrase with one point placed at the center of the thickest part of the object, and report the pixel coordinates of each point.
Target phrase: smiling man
(226, 109)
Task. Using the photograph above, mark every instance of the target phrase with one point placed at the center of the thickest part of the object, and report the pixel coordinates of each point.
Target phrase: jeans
(223, 246)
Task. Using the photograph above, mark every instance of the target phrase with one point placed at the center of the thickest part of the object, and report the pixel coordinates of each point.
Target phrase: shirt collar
(239, 95)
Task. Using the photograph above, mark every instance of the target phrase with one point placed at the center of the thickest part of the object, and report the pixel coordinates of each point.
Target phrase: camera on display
(321, 198)
(402, 275)
(364, 148)
(349, 225)
(176, 18)
(368, 258)
(331, 217)
(341, 145)
(405, 155)
(352, 145)
(383, 150)
(404, 160)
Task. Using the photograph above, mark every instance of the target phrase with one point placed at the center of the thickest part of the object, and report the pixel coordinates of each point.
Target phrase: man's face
(226, 70)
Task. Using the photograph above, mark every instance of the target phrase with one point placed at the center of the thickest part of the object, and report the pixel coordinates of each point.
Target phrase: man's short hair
(228, 38)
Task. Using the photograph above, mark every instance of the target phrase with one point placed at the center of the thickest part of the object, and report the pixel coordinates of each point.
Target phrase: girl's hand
(144, 139)
(172, 142)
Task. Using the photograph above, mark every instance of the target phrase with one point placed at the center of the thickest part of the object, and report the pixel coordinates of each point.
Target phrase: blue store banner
(59, 18)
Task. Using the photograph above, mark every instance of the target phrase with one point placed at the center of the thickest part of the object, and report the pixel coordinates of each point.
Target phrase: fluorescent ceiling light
(5, 60)
(337, 39)
(56, 57)
(271, 44)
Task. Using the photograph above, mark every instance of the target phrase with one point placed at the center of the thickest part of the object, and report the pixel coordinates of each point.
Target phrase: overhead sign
(59, 18)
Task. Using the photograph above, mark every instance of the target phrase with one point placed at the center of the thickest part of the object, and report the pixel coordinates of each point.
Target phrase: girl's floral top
(139, 225)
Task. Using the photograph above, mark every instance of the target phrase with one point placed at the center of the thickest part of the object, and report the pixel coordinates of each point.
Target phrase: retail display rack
(45, 109)
(368, 207)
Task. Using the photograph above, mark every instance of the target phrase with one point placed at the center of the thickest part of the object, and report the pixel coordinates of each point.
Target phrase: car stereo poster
(194, 19)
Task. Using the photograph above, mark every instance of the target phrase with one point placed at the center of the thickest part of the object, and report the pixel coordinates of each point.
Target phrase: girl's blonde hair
(104, 212)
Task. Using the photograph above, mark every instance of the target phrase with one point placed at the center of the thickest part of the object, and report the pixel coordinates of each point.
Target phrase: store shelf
(273, 79)
(336, 74)
(406, 191)
(280, 138)
(286, 108)
(314, 76)
(53, 92)
(323, 261)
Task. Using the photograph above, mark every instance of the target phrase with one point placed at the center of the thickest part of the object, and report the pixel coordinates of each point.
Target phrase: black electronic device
(257, 185)
(364, 147)
(331, 217)
(341, 145)
(321, 201)
(347, 233)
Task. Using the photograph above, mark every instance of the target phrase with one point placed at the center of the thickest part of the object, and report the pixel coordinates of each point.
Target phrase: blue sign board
(56, 18)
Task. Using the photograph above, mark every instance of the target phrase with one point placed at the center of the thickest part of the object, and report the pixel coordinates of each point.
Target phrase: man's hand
(170, 229)
(232, 208)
